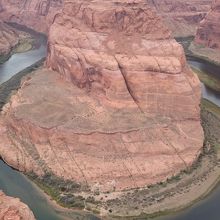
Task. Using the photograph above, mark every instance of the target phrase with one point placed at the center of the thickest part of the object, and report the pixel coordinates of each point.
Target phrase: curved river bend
(16, 184)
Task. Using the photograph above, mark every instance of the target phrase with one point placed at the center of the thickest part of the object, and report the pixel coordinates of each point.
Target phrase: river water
(15, 184)
(12, 182)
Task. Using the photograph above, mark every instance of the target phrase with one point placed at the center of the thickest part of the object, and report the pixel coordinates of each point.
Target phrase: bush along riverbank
(176, 193)
(12, 85)
(199, 51)
(211, 75)
(164, 198)
(28, 39)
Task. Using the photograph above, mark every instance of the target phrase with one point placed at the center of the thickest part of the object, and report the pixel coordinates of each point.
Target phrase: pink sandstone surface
(207, 40)
(8, 38)
(208, 33)
(119, 107)
(182, 17)
(14, 209)
(36, 14)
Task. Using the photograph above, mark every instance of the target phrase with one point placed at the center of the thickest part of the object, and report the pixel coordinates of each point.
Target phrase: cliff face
(35, 14)
(182, 17)
(8, 38)
(208, 33)
(11, 208)
(125, 113)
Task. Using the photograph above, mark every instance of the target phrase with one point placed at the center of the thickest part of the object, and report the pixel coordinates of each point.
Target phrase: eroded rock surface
(208, 33)
(121, 109)
(35, 14)
(14, 209)
(182, 17)
(207, 40)
(8, 38)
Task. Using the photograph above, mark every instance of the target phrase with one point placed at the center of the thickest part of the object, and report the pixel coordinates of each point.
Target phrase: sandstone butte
(182, 17)
(208, 33)
(14, 209)
(36, 14)
(8, 38)
(117, 106)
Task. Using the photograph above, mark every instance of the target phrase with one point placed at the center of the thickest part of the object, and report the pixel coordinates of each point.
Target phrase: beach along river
(15, 184)
(12, 182)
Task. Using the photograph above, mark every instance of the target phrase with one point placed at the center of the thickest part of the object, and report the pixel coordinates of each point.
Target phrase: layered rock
(207, 40)
(11, 208)
(35, 14)
(8, 38)
(208, 33)
(119, 108)
(182, 17)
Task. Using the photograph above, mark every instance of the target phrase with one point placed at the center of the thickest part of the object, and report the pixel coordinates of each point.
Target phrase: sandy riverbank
(177, 193)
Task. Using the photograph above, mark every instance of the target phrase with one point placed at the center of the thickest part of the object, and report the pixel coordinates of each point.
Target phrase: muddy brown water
(15, 184)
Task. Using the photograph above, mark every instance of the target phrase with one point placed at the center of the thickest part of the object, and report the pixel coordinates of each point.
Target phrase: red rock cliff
(182, 17)
(14, 209)
(126, 112)
(8, 38)
(35, 14)
(208, 33)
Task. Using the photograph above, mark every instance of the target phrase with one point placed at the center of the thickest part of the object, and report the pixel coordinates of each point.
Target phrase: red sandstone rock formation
(14, 209)
(182, 17)
(126, 112)
(8, 38)
(36, 14)
(208, 33)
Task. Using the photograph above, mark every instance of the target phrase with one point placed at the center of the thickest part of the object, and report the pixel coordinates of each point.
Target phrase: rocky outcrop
(35, 14)
(182, 17)
(11, 208)
(8, 38)
(119, 108)
(207, 41)
(208, 33)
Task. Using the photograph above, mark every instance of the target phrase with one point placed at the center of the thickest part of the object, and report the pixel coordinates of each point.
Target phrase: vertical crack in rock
(127, 85)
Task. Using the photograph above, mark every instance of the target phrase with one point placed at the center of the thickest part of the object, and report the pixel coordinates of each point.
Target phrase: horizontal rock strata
(119, 108)
(182, 17)
(208, 33)
(35, 14)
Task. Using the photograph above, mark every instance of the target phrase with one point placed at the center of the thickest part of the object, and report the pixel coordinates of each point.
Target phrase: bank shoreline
(153, 210)
(209, 183)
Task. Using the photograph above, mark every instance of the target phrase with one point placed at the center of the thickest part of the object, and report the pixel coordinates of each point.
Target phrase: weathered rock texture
(182, 17)
(208, 33)
(36, 14)
(8, 38)
(14, 209)
(125, 113)
(207, 40)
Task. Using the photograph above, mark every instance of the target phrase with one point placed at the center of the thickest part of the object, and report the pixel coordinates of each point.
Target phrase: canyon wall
(119, 107)
(14, 209)
(35, 14)
(182, 17)
(207, 41)
(208, 33)
(8, 38)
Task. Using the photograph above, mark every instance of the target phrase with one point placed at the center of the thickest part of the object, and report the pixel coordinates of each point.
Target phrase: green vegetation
(206, 105)
(211, 125)
(24, 45)
(209, 80)
(62, 191)
(13, 84)
(4, 57)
